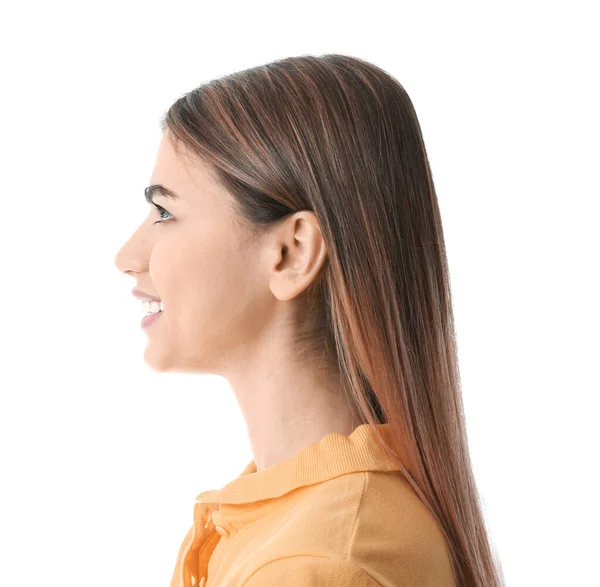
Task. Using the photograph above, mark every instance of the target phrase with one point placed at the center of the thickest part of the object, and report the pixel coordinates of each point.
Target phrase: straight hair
(339, 136)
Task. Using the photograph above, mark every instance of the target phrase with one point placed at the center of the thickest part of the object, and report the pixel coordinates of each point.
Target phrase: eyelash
(160, 211)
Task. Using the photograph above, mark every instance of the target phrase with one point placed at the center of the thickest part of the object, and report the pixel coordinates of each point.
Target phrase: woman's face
(199, 260)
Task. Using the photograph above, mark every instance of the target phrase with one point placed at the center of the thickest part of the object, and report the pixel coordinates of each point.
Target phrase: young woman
(294, 246)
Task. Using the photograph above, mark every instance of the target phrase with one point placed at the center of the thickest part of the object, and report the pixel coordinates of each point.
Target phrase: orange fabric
(337, 513)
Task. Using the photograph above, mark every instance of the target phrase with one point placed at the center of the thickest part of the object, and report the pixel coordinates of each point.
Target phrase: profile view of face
(197, 258)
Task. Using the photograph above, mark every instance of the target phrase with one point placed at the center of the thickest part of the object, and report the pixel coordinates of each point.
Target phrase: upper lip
(138, 293)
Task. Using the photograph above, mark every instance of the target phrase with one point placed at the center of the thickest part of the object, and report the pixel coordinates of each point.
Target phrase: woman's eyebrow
(157, 188)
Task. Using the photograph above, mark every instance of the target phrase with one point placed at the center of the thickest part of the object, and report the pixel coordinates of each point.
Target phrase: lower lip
(149, 320)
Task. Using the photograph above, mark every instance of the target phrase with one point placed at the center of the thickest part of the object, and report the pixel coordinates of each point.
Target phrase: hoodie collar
(334, 455)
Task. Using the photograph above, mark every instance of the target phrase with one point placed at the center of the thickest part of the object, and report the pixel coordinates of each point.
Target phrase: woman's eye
(164, 214)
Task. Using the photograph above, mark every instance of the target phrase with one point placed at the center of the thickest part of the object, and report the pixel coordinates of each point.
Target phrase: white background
(101, 458)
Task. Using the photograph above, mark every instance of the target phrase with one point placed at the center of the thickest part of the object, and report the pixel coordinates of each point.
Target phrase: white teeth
(153, 307)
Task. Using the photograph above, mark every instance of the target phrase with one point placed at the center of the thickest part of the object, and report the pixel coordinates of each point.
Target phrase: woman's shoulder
(375, 520)
(393, 522)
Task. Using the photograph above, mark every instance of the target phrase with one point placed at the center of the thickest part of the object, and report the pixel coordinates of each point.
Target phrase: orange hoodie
(336, 513)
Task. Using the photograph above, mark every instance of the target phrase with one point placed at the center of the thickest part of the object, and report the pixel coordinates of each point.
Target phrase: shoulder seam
(355, 525)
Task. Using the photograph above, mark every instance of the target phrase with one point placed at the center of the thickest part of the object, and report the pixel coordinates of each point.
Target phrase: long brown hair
(339, 136)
